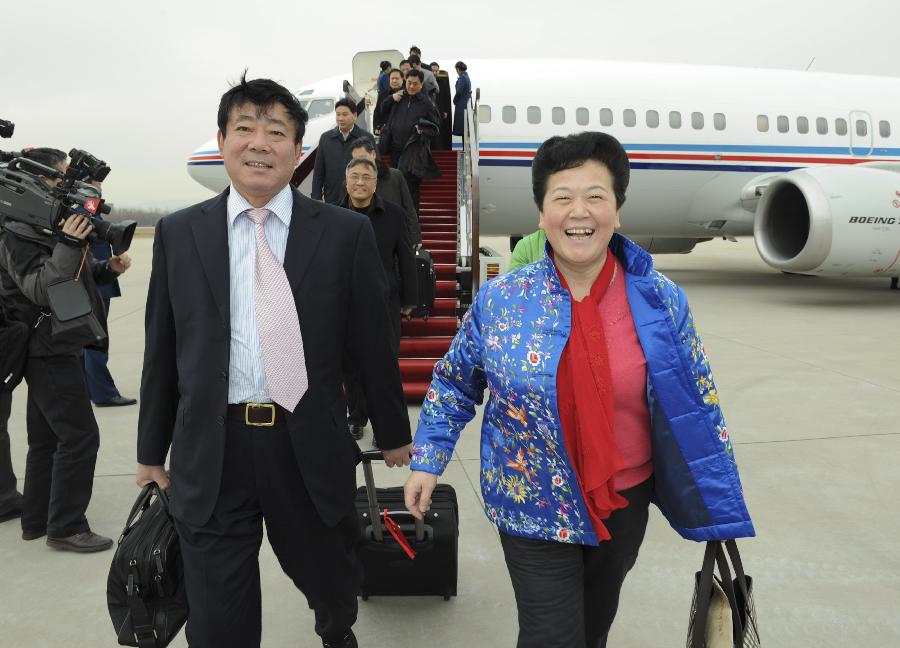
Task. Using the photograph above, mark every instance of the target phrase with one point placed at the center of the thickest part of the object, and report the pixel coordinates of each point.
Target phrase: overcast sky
(138, 84)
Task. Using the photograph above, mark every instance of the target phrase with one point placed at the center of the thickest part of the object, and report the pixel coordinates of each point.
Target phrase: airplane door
(365, 78)
(861, 136)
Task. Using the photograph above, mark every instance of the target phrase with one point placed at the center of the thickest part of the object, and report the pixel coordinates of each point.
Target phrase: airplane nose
(205, 166)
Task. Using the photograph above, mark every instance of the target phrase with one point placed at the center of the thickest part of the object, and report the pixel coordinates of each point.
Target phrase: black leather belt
(253, 414)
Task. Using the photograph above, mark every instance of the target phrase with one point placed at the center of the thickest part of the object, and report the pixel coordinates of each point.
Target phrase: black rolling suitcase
(388, 571)
(426, 284)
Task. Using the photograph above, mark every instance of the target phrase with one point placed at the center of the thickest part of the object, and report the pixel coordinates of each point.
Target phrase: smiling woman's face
(579, 216)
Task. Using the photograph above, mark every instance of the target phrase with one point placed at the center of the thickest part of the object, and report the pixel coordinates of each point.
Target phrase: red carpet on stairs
(424, 342)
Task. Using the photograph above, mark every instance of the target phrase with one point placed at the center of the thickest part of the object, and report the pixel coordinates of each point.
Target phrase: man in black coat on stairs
(333, 153)
(396, 251)
(412, 107)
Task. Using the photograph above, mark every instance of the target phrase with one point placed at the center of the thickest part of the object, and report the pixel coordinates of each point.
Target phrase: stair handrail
(469, 192)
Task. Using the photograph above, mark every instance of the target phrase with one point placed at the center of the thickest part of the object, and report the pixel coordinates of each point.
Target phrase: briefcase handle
(368, 456)
(142, 503)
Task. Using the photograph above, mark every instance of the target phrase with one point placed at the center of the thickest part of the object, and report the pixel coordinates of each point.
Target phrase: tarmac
(809, 375)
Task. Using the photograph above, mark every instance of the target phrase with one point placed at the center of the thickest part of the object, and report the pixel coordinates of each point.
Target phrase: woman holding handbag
(600, 398)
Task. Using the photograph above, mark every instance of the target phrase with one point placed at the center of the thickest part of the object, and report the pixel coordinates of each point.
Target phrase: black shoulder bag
(145, 590)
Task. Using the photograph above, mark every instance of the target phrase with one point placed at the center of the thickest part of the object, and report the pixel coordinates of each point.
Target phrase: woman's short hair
(561, 153)
(366, 162)
(461, 66)
(385, 65)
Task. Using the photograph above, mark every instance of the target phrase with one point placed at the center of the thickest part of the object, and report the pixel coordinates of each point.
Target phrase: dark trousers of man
(8, 492)
(261, 481)
(567, 595)
(354, 388)
(99, 381)
(413, 182)
(63, 440)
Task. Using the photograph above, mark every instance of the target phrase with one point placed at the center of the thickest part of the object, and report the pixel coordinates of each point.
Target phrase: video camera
(25, 198)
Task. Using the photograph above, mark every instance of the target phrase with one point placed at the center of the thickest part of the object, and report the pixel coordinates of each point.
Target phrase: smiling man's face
(259, 150)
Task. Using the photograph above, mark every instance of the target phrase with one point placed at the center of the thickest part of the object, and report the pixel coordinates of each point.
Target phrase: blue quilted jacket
(510, 342)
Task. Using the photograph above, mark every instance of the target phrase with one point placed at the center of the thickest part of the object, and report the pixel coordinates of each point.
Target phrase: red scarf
(586, 409)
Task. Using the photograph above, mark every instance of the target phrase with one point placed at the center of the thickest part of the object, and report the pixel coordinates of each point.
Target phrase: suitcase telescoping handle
(368, 456)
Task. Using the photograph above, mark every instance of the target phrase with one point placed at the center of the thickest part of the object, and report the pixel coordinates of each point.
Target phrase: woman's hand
(417, 492)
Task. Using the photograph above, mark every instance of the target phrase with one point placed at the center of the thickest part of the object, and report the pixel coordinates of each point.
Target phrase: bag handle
(703, 596)
(728, 587)
(740, 577)
(142, 503)
(368, 456)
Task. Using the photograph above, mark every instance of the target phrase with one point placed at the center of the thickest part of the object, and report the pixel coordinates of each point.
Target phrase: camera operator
(63, 438)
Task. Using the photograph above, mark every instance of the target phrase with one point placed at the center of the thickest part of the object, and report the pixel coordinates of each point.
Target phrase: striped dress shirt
(246, 372)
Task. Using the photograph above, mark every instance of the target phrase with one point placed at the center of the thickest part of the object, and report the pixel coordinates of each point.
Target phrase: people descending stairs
(424, 342)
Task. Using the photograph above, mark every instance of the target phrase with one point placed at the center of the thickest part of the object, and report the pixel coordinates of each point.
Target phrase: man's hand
(77, 226)
(417, 492)
(120, 263)
(397, 96)
(146, 474)
(397, 457)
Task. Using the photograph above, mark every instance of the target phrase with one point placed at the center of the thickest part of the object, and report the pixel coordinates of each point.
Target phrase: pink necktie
(277, 321)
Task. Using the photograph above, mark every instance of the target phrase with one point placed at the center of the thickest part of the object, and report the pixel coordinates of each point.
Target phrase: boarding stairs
(424, 341)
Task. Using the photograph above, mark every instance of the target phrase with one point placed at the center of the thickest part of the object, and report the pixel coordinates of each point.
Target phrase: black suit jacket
(333, 266)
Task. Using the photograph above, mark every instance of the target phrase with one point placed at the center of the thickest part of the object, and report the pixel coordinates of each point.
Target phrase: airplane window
(840, 126)
(509, 114)
(319, 107)
(675, 119)
(484, 114)
(762, 123)
(582, 116)
(719, 121)
(533, 114)
(802, 125)
(697, 120)
(884, 128)
(652, 118)
(606, 117)
(558, 115)
(629, 117)
(821, 126)
(862, 128)
(784, 124)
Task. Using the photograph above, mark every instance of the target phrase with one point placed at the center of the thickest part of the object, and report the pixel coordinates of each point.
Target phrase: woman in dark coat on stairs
(461, 98)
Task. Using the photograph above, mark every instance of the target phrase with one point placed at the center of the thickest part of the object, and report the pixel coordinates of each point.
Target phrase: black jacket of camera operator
(30, 261)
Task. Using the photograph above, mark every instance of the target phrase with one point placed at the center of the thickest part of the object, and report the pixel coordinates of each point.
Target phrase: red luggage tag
(397, 532)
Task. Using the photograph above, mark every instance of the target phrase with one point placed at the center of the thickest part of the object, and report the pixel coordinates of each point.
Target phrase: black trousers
(63, 441)
(354, 389)
(261, 482)
(415, 188)
(8, 490)
(567, 595)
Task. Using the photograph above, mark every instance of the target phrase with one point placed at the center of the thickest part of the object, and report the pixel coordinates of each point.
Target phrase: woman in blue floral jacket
(600, 398)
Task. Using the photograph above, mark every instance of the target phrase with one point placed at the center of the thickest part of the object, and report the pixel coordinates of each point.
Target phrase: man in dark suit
(242, 378)
(333, 153)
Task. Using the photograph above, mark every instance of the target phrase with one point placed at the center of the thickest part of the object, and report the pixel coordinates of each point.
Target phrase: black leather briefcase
(388, 570)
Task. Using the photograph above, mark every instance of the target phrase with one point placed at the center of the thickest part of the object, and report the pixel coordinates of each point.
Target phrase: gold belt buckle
(268, 406)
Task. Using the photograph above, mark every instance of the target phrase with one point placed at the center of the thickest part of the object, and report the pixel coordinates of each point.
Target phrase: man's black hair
(414, 49)
(398, 71)
(385, 65)
(346, 103)
(561, 153)
(364, 143)
(50, 157)
(416, 73)
(414, 60)
(400, 64)
(433, 63)
(262, 93)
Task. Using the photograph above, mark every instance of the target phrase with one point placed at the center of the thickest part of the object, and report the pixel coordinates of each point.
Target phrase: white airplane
(807, 163)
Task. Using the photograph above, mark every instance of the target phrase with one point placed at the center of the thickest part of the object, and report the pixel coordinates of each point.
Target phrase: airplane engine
(831, 220)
